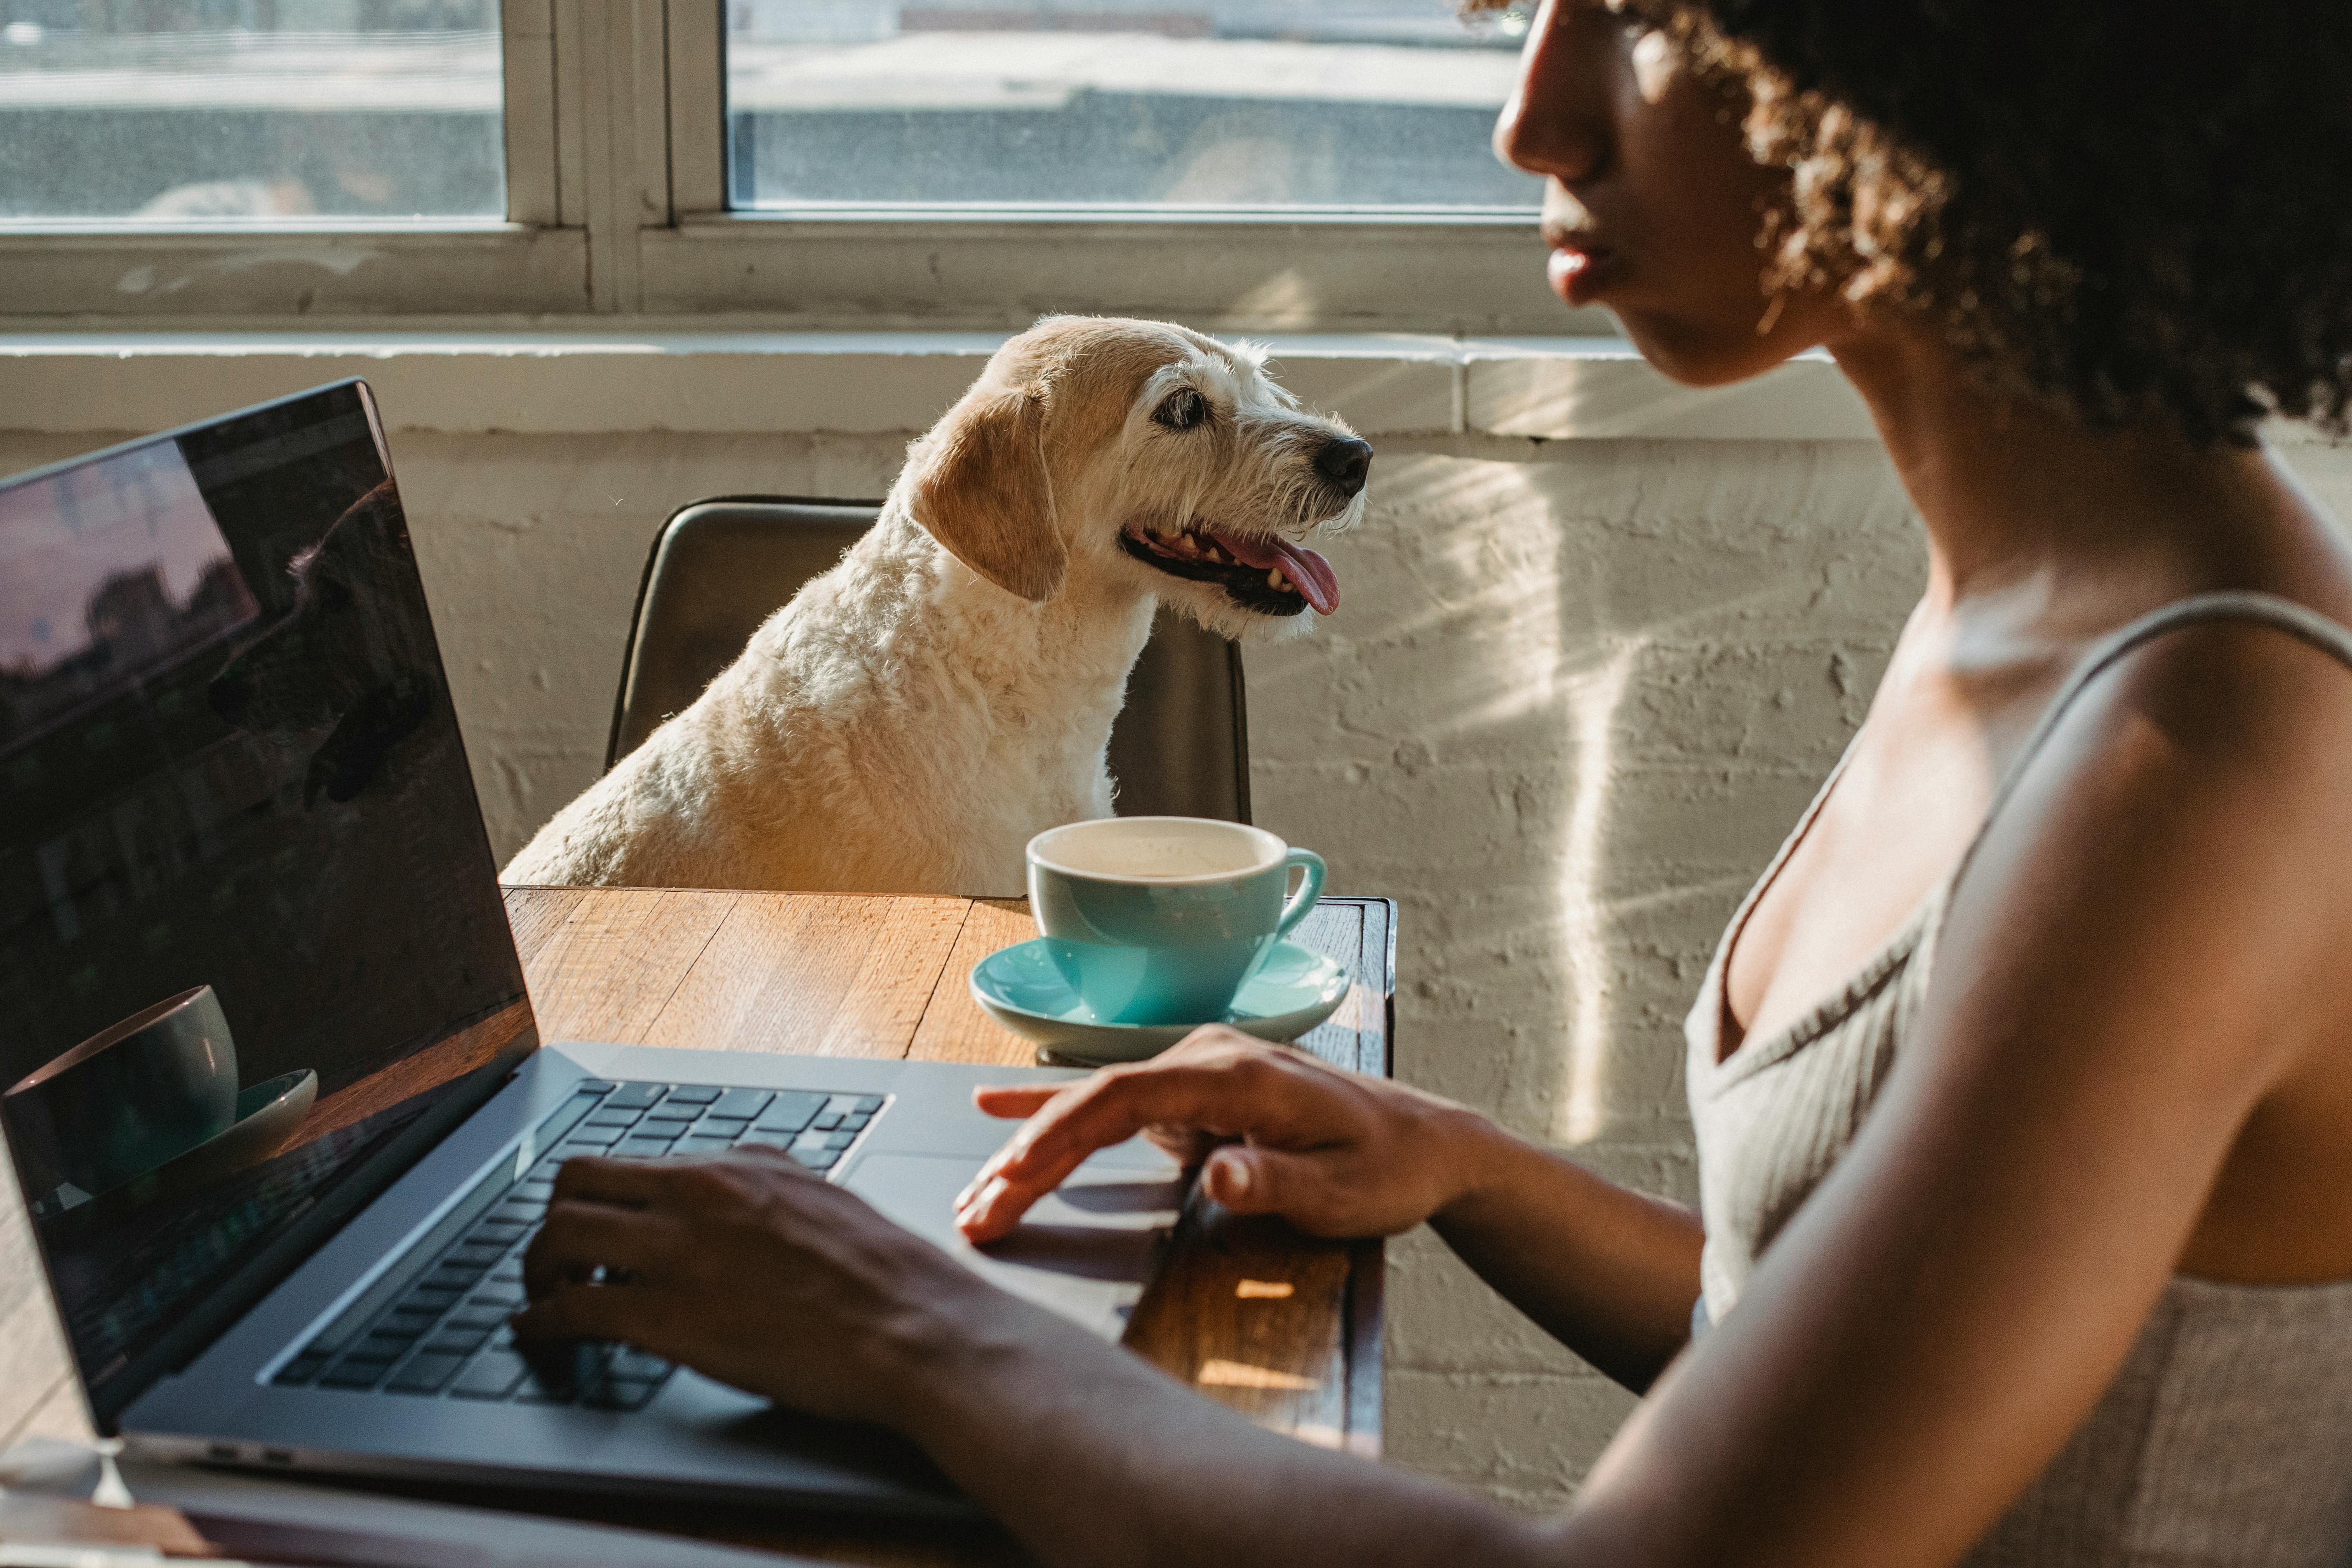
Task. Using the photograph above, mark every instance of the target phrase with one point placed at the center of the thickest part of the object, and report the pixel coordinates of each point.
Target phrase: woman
(2044, 1259)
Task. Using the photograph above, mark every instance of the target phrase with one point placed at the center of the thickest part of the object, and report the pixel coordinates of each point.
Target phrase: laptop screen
(252, 951)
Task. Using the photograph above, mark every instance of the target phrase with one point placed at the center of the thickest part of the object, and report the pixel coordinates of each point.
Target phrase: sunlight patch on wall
(1497, 600)
(1593, 702)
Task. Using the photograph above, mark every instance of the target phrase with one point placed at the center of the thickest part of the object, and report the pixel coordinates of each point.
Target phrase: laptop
(243, 873)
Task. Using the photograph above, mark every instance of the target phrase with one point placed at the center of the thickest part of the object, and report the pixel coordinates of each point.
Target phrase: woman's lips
(1577, 272)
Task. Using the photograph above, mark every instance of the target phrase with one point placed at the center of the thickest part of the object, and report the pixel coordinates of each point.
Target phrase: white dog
(915, 714)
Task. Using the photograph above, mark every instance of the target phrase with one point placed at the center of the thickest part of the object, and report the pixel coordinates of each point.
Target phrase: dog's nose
(1344, 463)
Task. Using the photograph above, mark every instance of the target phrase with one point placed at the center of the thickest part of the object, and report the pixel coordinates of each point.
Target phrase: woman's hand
(1281, 1132)
(755, 1271)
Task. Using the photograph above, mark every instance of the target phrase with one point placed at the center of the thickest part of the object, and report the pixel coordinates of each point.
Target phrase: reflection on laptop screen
(250, 929)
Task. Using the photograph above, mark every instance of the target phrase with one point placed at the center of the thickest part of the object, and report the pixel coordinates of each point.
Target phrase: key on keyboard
(434, 1325)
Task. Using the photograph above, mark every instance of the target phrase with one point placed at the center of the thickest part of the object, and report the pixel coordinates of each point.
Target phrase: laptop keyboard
(434, 1325)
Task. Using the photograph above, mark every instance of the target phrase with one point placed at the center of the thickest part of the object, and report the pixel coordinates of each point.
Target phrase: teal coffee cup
(1161, 919)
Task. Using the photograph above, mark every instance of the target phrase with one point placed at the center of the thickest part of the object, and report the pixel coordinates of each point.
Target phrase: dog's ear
(980, 490)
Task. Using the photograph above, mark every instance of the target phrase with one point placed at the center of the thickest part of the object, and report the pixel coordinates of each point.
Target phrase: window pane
(217, 110)
(1277, 104)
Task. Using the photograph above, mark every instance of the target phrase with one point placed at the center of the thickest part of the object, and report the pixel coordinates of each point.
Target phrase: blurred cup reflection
(131, 1097)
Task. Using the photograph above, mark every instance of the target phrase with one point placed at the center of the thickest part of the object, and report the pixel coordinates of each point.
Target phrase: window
(1273, 106)
(238, 111)
(1248, 165)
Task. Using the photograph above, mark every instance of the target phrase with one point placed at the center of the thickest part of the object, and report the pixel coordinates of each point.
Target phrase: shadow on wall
(1571, 705)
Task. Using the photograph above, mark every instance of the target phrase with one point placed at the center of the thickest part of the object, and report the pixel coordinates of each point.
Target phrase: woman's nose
(1556, 121)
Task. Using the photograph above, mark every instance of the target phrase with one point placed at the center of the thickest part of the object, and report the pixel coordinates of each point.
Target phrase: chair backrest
(718, 568)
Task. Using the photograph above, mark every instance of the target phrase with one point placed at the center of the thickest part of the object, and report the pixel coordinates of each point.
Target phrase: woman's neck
(2024, 506)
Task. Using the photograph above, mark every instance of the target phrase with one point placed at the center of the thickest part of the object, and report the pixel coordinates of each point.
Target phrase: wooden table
(1281, 1328)
(1284, 1329)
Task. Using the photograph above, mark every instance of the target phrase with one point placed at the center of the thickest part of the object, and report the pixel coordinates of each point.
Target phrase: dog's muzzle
(1266, 576)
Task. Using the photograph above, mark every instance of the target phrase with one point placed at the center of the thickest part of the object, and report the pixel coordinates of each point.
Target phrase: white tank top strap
(2268, 609)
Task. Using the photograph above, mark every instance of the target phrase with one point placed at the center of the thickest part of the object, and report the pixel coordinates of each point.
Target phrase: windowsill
(695, 379)
(845, 271)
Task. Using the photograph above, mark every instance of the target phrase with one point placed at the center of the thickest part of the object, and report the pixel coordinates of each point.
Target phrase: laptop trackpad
(1086, 1250)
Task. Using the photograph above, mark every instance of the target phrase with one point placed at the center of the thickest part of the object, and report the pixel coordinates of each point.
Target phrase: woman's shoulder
(2224, 710)
(2183, 814)
(2225, 681)
(2228, 692)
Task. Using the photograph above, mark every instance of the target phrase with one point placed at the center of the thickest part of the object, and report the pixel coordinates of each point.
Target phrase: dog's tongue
(1307, 570)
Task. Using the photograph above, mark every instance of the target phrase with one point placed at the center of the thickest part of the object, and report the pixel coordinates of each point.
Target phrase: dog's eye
(1181, 410)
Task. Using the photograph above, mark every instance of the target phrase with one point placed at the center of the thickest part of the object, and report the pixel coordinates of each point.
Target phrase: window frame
(616, 205)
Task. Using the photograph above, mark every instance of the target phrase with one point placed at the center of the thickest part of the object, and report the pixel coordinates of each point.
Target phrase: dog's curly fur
(914, 716)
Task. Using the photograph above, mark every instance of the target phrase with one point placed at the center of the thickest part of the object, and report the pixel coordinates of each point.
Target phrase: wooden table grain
(1284, 1329)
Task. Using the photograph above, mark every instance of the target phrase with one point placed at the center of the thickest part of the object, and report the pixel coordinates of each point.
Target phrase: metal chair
(718, 568)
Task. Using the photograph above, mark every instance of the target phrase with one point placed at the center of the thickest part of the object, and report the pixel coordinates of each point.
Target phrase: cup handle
(1309, 890)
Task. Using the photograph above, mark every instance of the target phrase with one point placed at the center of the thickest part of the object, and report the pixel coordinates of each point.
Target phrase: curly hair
(2131, 210)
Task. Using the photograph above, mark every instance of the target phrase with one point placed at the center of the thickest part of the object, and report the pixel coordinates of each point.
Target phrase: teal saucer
(1022, 988)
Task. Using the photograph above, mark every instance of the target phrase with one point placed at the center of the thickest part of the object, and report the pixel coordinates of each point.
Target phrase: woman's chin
(1703, 354)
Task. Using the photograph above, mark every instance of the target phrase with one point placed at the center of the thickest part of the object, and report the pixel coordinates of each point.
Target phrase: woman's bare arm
(1609, 1272)
(2144, 948)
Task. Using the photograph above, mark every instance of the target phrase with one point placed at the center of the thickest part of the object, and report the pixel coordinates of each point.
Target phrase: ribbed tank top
(2226, 1438)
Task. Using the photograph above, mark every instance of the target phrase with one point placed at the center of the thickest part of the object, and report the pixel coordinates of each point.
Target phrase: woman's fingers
(1221, 1091)
(1304, 1189)
(1008, 1101)
(621, 1314)
(1171, 1083)
(627, 1183)
(1109, 1109)
(581, 1236)
(746, 1267)
(1188, 1146)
